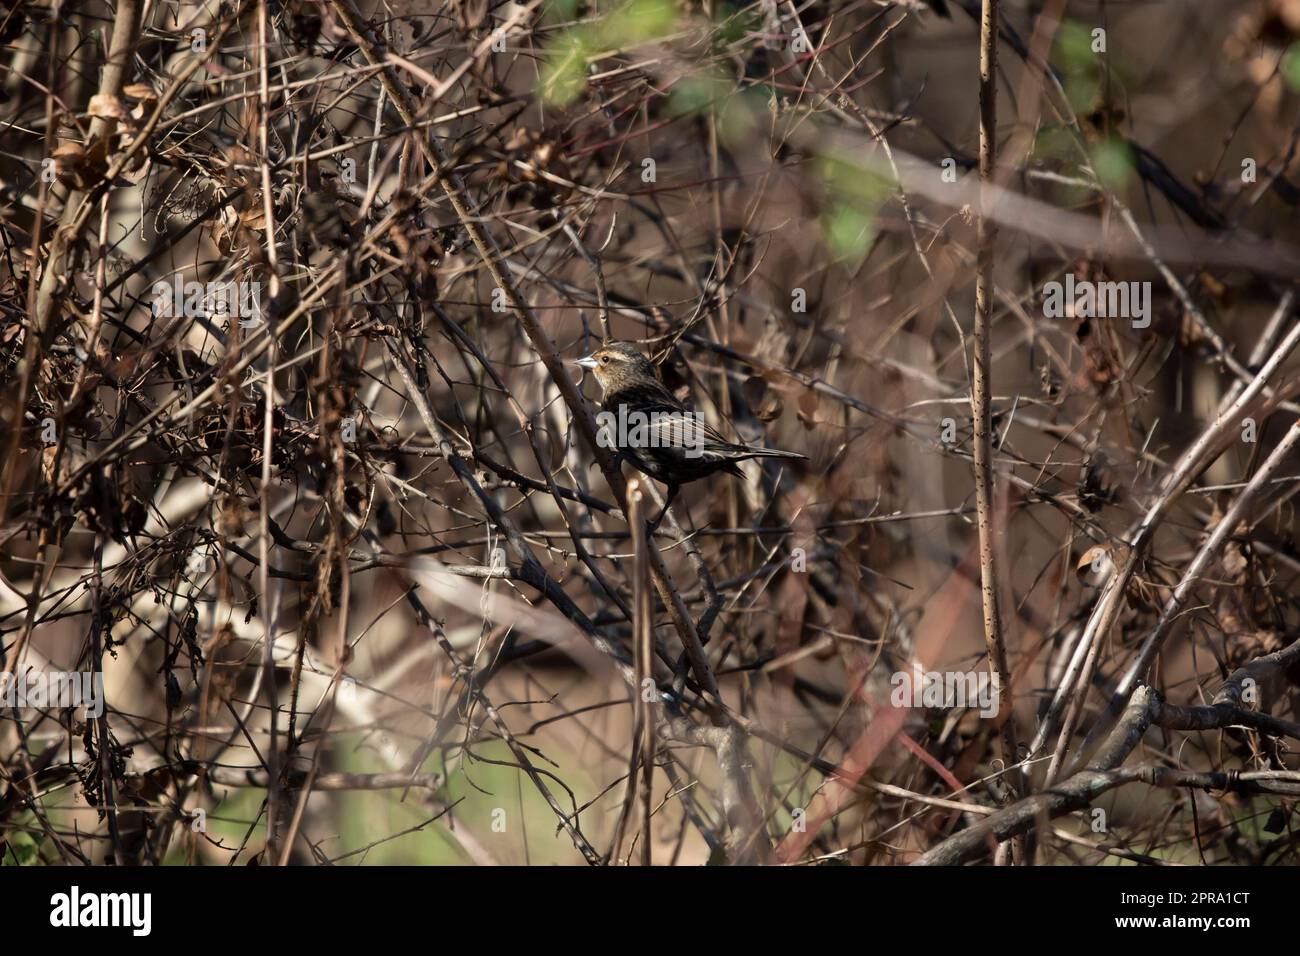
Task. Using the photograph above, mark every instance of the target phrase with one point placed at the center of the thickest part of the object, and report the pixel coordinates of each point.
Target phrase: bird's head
(619, 364)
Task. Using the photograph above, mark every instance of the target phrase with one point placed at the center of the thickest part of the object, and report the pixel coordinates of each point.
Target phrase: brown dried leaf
(754, 389)
(470, 14)
(1094, 566)
(809, 402)
(69, 154)
(1234, 563)
(253, 217)
(140, 91)
(107, 106)
(771, 409)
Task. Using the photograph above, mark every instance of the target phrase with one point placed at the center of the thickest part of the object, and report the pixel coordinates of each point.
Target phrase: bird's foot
(653, 526)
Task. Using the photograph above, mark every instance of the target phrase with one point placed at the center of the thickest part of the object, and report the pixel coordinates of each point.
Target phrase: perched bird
(648, 426)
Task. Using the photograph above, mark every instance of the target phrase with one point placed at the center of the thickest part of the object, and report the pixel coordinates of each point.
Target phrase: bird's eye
(604, 360)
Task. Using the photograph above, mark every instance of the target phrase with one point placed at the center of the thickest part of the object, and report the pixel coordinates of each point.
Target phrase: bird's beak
(586, 362)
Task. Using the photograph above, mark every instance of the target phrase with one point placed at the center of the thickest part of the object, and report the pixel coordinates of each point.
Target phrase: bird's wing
(667, 421)
(665, 428)
(647, 395)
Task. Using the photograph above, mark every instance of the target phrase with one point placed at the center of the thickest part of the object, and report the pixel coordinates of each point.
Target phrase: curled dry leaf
(809, 402)
(140, 91)
(1234, 562)
(68, 157)
(766, 401)
(1095, 566)
(106, 106)
(81, 166)
(470, 14)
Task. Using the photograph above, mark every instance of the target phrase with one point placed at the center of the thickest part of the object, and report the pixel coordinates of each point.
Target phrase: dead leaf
(470, 13)
(1094, 566)
(809, 402)
(69, 153)
(1234, 563)
(254, 217)
(140, 91)
(107, 106)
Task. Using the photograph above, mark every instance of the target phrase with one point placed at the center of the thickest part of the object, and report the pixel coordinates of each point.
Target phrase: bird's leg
(654, 525)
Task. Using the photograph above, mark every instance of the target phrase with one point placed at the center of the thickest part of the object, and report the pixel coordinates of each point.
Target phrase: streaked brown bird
(643, 421)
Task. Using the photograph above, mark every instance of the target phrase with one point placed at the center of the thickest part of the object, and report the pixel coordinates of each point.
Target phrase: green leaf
(1113, 161)
(1291, 66)
(564, 72)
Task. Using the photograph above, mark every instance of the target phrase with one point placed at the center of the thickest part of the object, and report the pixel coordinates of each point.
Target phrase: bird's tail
(751, 452)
